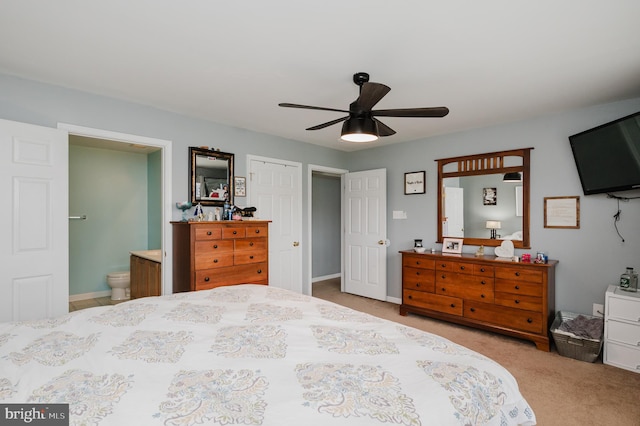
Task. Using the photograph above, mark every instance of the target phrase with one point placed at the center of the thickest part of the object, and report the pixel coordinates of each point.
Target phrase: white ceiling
(490, 62)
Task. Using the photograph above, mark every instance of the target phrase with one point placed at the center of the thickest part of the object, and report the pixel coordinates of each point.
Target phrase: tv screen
(608, 156)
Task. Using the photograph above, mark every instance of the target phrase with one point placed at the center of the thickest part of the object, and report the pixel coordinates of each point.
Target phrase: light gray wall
(591, 257)
(326, 206)
(46, 105)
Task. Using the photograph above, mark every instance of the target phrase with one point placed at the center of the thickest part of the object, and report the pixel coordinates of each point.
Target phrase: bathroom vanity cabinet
(516, 299)
(146, 276)
(219, 253)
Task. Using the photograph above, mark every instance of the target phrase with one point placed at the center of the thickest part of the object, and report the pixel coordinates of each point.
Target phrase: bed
(250, 355)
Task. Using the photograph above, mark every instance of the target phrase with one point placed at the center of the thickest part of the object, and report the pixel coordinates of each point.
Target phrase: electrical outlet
(598, 310)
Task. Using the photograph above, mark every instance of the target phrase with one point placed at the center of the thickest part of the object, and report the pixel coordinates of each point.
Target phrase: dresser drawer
(434, 302)
(245, 274)
(213, 260)
(251, 244)
(213, 246)
(502, 316)
(519, 301)
(250, 256)
(464, 279)
(465, 291)
(257, 231)
(419, 279)
(627, 357)
(453, 266)
(518, 274)
(483, 270)
(518, 287)
(233, 232)
(208, 233)
(623, 332)
(417, 262)
(627, 309)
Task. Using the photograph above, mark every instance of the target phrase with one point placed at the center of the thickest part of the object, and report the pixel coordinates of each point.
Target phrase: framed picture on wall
(562, 212)
(489, 196)
(414, 183)
(240, 186)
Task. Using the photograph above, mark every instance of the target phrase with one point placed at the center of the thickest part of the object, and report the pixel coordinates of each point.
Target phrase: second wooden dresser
(214, 254)
(517, 299)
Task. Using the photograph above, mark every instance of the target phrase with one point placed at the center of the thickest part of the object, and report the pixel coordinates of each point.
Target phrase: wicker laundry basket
(572, 346)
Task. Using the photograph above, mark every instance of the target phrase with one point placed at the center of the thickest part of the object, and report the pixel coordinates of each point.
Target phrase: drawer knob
(417, 273)
(481, 269)
(411, 297)
(453, 305)
(517, 274)
(462, 268)
(250, 257)
(482, 296)
(235, 232)
(215, 260)
(208, 232)
(483, 282)
(473, 309)
(442, 265)
(517, 301)
(215, 246)
(517, 287)
(257, 231)
(206, 279)
(529, 320)
(418, 262)
(444, 289)
(418, 285)
(443, 276)
(259, 271)
(251, 244)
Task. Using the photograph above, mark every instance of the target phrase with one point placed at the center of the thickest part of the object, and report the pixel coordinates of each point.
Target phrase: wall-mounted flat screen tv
(608, 156)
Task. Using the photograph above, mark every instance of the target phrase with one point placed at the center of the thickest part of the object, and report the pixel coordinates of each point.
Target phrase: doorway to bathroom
(117, 184)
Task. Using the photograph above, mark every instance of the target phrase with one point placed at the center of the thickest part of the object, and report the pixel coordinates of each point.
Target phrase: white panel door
(34, 249)
(275, 191)
(365, 235)
(453, 212)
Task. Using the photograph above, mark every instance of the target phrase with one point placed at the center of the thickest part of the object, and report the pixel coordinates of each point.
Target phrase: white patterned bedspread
(250, 355)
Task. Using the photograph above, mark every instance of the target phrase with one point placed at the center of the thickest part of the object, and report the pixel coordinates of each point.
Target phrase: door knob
(381, 242)
(296, 243)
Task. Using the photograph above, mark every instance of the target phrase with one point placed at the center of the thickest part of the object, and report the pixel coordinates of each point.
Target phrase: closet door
(34, 248)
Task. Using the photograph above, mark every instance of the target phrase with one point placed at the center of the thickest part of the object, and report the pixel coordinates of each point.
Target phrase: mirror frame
(195, 152)
(484, 164)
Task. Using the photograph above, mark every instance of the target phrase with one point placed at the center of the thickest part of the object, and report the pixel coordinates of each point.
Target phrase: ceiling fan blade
(328, 123)
(370, 94)
(287, 105)
(412, 112)
(383, 129)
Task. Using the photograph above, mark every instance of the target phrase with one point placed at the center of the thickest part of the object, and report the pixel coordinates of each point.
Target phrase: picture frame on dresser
(452, 245)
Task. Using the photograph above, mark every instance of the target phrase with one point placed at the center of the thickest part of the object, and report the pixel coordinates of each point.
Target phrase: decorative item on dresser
(516, 299)
(214, 254)
(622, 329)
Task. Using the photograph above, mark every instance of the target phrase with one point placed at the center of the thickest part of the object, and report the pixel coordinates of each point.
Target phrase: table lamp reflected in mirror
(184, 206)
(493, 225)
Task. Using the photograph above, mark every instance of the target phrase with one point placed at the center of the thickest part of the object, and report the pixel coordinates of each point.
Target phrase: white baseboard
(326, 277)
(395, 300)
(85, 296)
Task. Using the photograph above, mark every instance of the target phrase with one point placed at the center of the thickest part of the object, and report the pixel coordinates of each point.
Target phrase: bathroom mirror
(211, 176)
(479, 203)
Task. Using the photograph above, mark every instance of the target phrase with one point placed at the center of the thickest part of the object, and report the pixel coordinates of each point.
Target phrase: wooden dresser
(516, 299)
(146, 276)
(214, 254)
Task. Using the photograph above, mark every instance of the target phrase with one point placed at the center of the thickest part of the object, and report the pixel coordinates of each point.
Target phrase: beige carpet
(561, 390)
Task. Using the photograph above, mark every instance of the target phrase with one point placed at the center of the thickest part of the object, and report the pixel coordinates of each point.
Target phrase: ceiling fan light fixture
(512, 177)
(359, 130)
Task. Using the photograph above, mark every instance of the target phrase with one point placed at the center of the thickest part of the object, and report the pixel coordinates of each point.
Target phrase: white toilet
(119, 283)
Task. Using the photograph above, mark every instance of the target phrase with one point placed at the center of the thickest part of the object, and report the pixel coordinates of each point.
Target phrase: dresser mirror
(484, 198)
(211, 177)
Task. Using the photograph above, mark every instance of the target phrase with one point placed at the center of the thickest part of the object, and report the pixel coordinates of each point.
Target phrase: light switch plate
(399, 214)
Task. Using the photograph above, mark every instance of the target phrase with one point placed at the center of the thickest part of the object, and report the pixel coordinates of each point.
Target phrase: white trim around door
(166, 147)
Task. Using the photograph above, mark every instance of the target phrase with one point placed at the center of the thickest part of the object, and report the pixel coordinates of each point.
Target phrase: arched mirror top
(211, 177)
(479, 203)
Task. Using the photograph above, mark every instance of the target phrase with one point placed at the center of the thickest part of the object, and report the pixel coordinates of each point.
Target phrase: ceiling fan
(361, 125)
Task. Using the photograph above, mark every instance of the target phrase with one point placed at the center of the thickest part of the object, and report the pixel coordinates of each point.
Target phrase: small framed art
(452, 245)
(414, 183)
(240, 186)
(562, 212)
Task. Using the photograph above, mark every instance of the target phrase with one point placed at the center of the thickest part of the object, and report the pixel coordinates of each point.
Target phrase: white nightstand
(622, 329)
